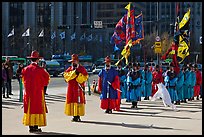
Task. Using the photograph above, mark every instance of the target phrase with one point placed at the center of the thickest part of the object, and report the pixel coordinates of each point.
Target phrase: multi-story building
(78, 18)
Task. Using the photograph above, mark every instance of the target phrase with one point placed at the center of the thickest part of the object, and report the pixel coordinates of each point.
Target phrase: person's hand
(77, 72)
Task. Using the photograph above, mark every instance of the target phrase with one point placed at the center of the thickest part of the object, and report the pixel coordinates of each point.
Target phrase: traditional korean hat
(74, 58)
(34, 55)
(107, 59)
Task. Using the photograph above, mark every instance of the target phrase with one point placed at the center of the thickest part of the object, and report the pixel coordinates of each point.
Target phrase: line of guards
(136, 83)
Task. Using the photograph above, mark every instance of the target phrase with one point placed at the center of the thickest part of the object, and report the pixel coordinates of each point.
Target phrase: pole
(21, 90)
(158, 29)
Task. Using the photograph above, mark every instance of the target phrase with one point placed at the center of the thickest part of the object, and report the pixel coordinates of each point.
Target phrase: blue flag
(82, 37)
(73, 36)
(101, 40)
(62, 35)
(138, 29)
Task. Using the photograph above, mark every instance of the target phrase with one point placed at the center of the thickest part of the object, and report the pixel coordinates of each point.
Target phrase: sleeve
(69, 74)
(116, 83)
(99, 84)
(83, 75)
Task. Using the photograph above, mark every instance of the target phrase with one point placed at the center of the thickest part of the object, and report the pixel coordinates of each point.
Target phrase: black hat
(195, 66)
(135, 64)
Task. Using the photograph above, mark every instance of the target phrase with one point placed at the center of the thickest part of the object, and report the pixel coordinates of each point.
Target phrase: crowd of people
(129, 82)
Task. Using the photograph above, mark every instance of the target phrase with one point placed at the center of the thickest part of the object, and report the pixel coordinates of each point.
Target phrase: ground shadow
(128, 125)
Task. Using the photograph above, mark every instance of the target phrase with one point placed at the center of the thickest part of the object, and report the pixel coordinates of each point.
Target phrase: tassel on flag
(41, 33)
(26, 33)
(11, 33)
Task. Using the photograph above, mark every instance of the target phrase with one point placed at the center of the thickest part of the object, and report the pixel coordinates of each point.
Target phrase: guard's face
(108, 64)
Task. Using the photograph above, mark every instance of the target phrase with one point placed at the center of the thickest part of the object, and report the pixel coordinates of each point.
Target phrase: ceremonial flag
(26, 33)
(82, 37)
(184, 42)
(139, 29)
(62, 35)
(53, 35)
(130, 33)
(73, 36)
(41, 33)
(11, 33)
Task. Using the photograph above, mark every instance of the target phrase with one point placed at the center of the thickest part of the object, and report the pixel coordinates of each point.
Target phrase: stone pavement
(151, 118)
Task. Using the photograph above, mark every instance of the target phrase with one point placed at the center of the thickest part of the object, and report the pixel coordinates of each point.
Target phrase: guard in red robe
(75, 76)
(198, 82)
(34, 79)
(157, 78)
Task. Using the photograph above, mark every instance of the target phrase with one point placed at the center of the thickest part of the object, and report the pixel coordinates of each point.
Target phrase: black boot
(197, 98)
(134, 104)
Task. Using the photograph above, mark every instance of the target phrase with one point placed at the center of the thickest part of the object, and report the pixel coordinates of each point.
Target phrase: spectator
(10, 74)
(4, 81)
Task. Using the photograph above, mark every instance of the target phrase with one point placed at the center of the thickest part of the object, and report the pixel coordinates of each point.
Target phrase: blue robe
(171, 87)
(129, 86)
(187, 80)
(135, 93)
(179, 85)
(107, 90)
(147, 76)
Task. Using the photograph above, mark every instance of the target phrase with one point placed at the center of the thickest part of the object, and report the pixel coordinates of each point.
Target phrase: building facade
(76, 20)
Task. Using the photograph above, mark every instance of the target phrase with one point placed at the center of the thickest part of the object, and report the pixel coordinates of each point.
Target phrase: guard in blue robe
(147, 76)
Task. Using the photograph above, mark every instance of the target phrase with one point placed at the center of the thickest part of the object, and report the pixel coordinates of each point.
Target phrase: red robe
(175, 63)
(198, 83)
(34, 80)
(75, 98)
(157, 78)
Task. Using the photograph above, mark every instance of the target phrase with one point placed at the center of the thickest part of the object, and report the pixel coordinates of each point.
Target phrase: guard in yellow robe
(75, 76)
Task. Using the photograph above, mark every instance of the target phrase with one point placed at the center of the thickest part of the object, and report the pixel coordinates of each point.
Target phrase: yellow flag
(183, 49)
(125, 52)
(185, 19)
(128, 8)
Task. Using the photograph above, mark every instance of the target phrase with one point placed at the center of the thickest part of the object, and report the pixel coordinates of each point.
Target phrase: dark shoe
(8, 97)
(76, 119)
(10, 94)
(46, 94)
(35, 130)
(4, 96)
(197, 98)
(133, 106)
(145, 98)
(110, 111)
(106, 111)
